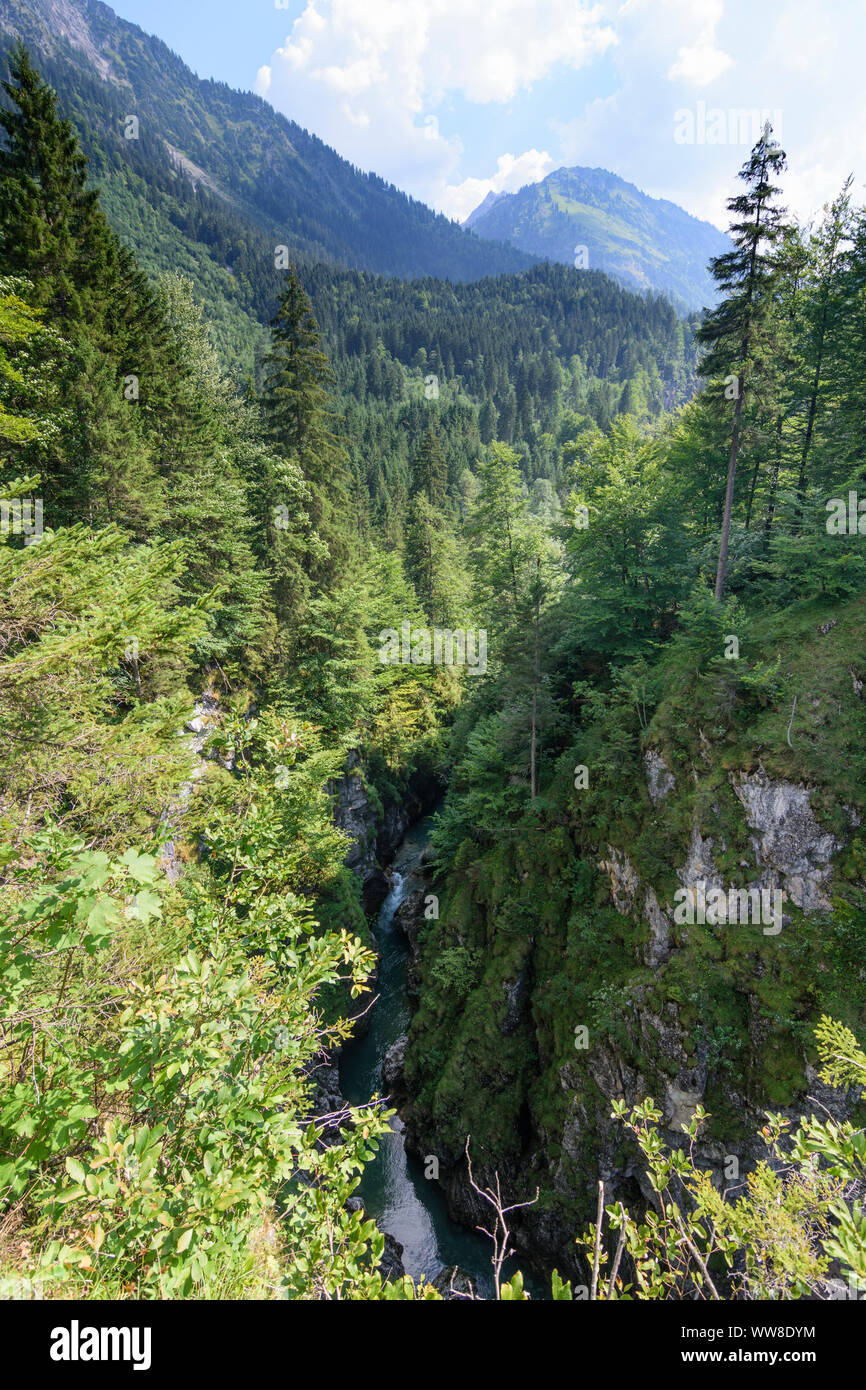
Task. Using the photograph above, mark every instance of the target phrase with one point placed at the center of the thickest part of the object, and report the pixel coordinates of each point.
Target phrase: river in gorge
(393, 1188)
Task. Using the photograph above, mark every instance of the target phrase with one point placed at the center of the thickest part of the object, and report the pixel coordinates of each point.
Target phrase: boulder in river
(393, 1078)
(391, 1264)
(453, 1283)
(409, 919)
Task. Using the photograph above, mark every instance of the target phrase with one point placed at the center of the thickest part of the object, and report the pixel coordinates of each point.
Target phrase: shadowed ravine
(394, 1190)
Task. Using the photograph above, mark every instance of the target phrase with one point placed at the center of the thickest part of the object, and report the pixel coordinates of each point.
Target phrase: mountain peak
(595, 219)
(273, 173)
(484, 206)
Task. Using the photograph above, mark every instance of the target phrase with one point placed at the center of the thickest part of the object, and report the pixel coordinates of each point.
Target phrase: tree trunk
(729, 495)
(774, 482)
(532, 778)
(812, 412)
(751, 502)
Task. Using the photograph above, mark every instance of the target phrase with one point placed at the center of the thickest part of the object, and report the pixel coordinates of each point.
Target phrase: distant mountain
(594, 219)
(491, 199)
(264, 168)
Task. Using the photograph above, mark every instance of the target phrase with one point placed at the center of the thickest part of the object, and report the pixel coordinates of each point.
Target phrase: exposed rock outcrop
(375, 829)
(660, 780)
(205, 718)
(454, 1283)
(627, 891)
(358, 816)
(390, 1265)
(791, 852)
(790, 848)
(393, 1072)
(409, 920)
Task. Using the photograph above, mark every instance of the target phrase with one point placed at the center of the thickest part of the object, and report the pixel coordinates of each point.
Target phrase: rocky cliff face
(790, 853)
(376, 826)
(355, 814)
(206, 714)
(704, 1012)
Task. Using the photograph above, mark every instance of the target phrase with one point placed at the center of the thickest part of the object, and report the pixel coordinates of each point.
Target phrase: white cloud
(378, 78)
(365, 75)
(699, 63)
(667, 59)
(512, 173)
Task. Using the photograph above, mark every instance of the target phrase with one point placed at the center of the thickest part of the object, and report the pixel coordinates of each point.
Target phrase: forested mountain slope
(220, 166)
(179, 556)
(596, 218)
(531, 359)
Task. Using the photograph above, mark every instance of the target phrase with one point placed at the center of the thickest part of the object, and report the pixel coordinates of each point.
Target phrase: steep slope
(561, 977)
(262, 166)
(647, 243)
(185, 195)
(483, 208)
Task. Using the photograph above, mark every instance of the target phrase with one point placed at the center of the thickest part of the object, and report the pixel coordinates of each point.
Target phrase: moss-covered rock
(561, 974)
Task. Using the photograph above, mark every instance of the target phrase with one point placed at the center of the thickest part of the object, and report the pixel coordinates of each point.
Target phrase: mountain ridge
(276, 173)
(590, 214)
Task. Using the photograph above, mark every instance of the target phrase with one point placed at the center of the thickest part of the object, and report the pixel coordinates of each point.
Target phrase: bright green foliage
(777, 1239)
(19, 328)
(170, 1149)
(88, 629)
(182, 937)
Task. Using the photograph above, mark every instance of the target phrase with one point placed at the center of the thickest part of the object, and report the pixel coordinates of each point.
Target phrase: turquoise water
(393, 1189)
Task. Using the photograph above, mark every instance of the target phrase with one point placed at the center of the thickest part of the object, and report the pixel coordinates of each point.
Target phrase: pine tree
(825, 312)
(430, 471)
(849, 367)
(87, 286)
(208, 449)
(434, 564)
(499, 531)
(300, 412)
(736, 331)
(111, 477)
(51, 228)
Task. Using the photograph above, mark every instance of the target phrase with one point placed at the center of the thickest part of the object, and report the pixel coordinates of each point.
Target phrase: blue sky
(452, 98)
(226, 39)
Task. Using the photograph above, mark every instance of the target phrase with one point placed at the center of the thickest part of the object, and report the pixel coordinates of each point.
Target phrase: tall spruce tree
(736, 331)
(300, 411)
(86, 285)
(51, 228)
(826, 310)
(430, 473)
